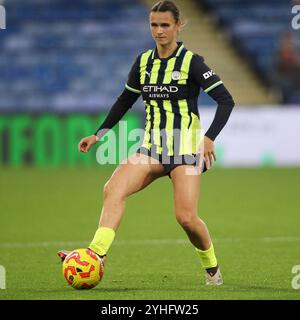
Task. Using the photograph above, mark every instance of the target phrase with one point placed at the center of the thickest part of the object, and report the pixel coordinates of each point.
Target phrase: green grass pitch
(252, 214)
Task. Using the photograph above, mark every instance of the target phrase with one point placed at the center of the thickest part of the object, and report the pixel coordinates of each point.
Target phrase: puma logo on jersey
(208, 74)
(148, 74)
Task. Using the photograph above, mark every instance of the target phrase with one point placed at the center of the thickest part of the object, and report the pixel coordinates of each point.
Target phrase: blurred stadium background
(64, 62)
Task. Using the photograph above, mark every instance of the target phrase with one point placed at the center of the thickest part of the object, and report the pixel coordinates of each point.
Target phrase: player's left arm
(215, 88)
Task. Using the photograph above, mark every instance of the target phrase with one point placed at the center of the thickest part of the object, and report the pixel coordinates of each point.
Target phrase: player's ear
(179, 28)
(180, 24)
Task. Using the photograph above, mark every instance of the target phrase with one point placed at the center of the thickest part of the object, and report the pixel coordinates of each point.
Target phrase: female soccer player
(169, 78)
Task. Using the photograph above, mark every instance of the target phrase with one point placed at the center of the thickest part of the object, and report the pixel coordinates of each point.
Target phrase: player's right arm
(125, 101)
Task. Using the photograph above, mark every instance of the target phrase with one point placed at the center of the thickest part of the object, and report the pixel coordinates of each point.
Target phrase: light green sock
(102, 240)
(207, 257)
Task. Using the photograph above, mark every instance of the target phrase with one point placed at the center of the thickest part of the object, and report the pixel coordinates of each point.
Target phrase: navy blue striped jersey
(170, 88)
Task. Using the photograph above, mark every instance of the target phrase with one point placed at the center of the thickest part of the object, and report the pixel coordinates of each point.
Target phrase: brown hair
(164, 6)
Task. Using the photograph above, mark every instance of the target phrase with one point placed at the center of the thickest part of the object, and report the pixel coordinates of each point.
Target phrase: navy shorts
(171, 162)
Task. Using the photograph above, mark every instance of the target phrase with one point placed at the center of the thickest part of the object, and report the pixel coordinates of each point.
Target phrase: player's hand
(209, 152)
(86, 143)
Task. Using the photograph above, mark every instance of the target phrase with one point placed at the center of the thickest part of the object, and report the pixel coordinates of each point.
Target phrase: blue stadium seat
(69, 55)
(255, 28)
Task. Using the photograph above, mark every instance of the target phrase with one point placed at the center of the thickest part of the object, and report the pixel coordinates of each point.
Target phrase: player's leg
(128, 178)
(133, 175)
(186, 190)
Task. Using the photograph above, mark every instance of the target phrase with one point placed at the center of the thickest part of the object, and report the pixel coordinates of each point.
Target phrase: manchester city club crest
(176, 75)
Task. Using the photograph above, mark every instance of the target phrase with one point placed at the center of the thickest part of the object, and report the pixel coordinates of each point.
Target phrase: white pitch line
(61, 244)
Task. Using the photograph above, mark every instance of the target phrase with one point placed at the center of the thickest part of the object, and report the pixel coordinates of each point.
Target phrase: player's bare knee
(186, 219)
(111, 190)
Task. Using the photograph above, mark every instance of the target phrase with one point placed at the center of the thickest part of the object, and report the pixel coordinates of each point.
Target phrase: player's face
(163, 27)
